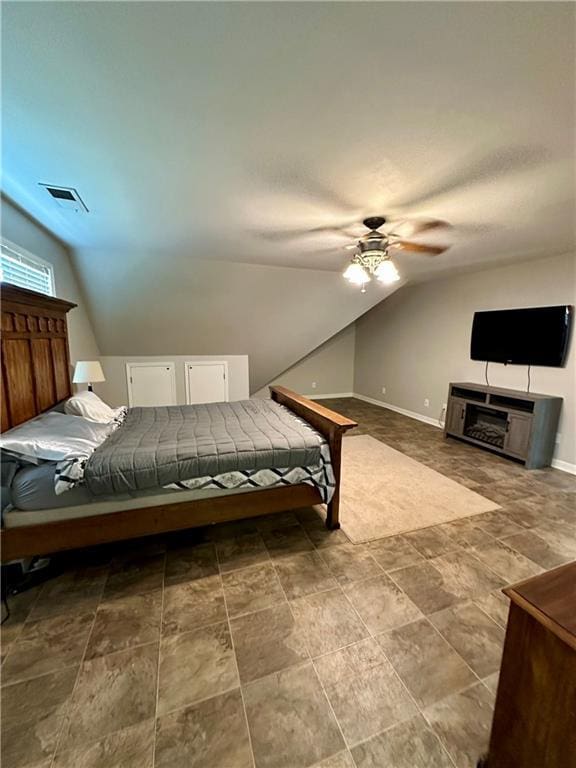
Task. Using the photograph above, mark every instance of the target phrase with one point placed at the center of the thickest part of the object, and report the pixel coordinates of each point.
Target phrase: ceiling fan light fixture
(356, 274)
(387, 273)
(371, 257)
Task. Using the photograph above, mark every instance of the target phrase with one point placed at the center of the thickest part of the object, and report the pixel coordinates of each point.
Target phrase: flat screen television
(535, 336)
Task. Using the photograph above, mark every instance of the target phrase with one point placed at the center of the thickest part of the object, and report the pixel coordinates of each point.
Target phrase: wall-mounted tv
(535, 336)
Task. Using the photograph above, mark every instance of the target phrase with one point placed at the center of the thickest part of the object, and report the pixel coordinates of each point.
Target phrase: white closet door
(151, 384)
(206, 382)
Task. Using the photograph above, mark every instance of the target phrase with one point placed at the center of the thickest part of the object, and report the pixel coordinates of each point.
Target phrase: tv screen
(537, 336)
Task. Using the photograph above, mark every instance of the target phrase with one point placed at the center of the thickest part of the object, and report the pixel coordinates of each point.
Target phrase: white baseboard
(564, 466)
(330, 397)
(403, 411)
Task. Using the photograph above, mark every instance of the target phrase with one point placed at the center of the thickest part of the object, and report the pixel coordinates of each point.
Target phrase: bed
(36, 378)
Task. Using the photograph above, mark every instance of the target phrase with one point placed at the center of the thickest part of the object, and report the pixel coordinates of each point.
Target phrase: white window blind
(25, 271)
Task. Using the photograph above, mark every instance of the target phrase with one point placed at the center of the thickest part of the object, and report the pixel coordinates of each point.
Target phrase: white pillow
(90, 406)
(54, 437)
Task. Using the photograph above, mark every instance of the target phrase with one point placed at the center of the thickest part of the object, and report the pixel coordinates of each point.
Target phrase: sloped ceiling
(181, 306)
(198, 133)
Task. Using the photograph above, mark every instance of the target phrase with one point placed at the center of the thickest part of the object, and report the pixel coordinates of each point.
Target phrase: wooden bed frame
(36, 376)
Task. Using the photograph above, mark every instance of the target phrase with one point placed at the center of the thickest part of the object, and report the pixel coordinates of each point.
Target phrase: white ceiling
(207, 128)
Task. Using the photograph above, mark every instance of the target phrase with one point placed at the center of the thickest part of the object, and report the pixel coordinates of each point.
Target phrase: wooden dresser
(534, 722)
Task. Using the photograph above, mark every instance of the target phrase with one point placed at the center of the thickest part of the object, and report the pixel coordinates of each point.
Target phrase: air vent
(66, 197)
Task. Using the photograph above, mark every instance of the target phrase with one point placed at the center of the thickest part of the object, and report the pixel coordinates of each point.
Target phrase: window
(21, 268)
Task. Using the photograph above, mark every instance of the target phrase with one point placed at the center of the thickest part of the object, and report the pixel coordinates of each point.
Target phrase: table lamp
(88, 372)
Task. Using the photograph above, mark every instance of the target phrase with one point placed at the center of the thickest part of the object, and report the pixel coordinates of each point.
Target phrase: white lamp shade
(387, 273)
(356, 274)
(87, 372)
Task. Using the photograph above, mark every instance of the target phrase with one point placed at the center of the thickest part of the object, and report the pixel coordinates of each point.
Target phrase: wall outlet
(314, 385)
(426, 403)
(383, 390)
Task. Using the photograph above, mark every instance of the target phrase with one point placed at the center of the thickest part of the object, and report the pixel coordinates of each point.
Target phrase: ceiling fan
(472, 170)
(372, 258)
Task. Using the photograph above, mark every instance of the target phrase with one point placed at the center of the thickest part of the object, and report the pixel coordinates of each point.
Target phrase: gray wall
(418, 340)
(330, 367)
(151, 303)
(115, 389)
(23, 231)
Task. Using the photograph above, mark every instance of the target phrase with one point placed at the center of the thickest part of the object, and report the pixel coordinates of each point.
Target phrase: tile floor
(276, 644)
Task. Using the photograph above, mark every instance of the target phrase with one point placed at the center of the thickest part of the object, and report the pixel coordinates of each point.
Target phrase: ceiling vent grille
(66, 197)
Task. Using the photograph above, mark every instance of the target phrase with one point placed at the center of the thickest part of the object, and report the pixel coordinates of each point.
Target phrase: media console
(521, 425)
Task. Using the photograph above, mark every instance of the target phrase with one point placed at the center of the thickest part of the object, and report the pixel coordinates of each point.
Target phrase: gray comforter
(155, 447)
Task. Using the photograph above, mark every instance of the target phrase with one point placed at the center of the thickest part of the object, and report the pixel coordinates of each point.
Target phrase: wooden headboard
(35, 357)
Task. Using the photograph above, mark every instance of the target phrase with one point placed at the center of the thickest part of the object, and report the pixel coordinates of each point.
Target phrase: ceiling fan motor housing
(373, 242)
(374, 222)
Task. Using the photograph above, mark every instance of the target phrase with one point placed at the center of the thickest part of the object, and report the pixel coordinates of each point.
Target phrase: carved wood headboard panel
(35, 357)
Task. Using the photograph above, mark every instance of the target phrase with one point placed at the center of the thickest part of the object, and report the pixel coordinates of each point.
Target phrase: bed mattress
(19, 518)
(33, 488)
(164, 446)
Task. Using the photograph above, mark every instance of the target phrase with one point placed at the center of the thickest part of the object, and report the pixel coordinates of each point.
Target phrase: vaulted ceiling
(208, 131)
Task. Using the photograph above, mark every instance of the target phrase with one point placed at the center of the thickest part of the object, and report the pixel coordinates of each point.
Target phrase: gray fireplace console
(521, 425)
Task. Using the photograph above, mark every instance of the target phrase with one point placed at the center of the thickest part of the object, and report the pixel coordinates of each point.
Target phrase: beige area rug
(384, 492)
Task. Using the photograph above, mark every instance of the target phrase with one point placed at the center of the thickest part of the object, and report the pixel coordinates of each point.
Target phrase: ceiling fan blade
(328, 251)
(277, 237)
(340, 229)
(295, 234)
(478, 170)
(298, 180)
(431, 250)
(418, 227)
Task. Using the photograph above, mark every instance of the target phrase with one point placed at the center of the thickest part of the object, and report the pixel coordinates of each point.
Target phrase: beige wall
(331, 367)
(151, 303)
(115, 389)
(26, 233)
(418, 340)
